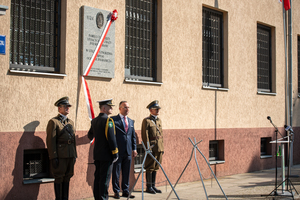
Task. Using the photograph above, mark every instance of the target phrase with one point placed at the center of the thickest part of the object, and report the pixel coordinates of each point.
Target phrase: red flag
(287, 4)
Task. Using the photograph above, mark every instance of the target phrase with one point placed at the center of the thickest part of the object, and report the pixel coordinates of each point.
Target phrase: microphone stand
(276, 134)
(287, 179)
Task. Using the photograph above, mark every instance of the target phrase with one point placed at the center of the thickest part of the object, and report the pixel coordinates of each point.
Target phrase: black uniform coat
(103, 130)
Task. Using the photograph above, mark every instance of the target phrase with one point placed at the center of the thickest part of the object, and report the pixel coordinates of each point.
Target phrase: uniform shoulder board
(110, 122)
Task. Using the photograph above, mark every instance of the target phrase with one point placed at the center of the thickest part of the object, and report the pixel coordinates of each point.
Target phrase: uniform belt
(66, 142)
(155, 138)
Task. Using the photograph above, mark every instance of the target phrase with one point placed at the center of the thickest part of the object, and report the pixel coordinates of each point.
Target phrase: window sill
(36, 73)
(40, 180)
(266, 156)
(3, 9)
(215, 162)
(138, 170)
(143, 82)
(266, 93)
(214, 88)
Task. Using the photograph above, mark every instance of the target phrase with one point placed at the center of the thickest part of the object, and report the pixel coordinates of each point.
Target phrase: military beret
(63, 101)
(154, 105)
(106, 102)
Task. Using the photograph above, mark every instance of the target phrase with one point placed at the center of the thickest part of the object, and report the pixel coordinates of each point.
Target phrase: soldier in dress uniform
(61, 146)
(152, 133)
(105, 148)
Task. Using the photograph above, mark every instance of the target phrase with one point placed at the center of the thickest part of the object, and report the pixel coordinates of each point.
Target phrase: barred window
(216, 151)
(140, 40)
(213, 150)
(264, 65)
(265, 147)
(36, 164)
(298, 65)
(212, 48)
(35, 35)
(138, 160)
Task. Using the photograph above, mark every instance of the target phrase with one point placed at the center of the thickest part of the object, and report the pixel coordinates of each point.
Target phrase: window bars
(140, 40)
(35, 35)
(212, 48)
(264, 69)
(298, 65)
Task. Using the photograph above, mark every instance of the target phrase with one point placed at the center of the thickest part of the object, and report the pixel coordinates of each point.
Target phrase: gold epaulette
(115, 151)
(109, 123)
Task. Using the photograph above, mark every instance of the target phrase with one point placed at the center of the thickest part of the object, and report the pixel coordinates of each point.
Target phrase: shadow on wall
(27, 141)
(132, 175)
(257, 163)
(91, 167)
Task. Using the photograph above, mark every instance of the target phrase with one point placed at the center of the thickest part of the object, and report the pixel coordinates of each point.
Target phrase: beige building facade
(230, 117)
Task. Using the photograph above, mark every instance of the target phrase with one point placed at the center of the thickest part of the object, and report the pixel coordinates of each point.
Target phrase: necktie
(126, 124)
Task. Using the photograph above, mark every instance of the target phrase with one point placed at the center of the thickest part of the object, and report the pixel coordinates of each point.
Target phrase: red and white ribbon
(87, 94)
(88, 99)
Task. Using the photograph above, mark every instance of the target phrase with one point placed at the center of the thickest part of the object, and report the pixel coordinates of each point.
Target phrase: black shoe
(150, 190)
(125, 194)
(156, 190)
(116, 196)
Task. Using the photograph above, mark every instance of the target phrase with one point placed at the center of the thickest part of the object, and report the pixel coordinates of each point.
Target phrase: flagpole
(290, 77)
(286, 80)
(286, 67)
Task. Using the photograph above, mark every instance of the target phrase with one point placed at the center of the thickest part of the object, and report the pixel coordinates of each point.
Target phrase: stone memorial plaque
(94, 22)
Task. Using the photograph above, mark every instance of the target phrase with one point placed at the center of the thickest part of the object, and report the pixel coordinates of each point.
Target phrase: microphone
(288, 128)
(269, 118)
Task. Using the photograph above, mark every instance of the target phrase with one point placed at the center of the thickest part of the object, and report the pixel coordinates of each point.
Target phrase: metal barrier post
(148, 151)
(194, 148)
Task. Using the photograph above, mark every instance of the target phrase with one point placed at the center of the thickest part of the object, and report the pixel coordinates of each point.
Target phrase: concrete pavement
(240, 186)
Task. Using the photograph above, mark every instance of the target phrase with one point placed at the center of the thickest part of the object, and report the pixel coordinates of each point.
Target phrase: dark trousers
(102, 178)
(123, 163)
(150, 164)
(64, 171)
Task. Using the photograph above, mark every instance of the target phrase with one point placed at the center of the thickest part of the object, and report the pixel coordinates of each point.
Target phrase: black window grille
(264, 65)
(138, 160)
(265, 146)
(34, 35)
(36, 164)
(140, 40)
(212, 48)
(298, 64)
(213, 150)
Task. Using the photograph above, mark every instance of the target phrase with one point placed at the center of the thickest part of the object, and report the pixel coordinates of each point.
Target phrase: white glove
(115, 159)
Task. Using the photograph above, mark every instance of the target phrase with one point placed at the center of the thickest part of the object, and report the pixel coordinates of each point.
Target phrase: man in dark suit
(126, 140)
(61, 147)
(105, 149)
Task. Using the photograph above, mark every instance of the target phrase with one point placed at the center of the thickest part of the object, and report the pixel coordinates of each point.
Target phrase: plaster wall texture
(32, 97)
(237, 116)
